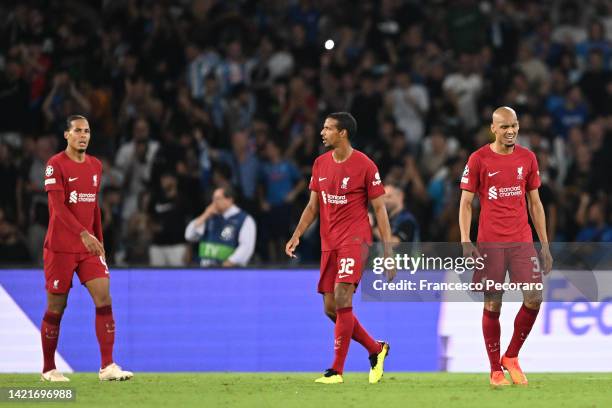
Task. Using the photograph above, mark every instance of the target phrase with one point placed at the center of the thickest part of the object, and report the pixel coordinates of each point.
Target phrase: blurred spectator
(111, 221)
(591, 217)
(168, 216)
(134, 160)
(235, 68)
(594, 82)
(573, 112)
(436, 150)
(10, 180)
(200, 64)
(13, 249)
(404, 226)
(225, 234)
(63, 100)
(464, 22)
(13, 97)
(245, 168)
(365, 108)
(535, 69)
(281, 183)
(409, 103)
(596, 41)
(463, 87)
(138, 234)
(241, 108)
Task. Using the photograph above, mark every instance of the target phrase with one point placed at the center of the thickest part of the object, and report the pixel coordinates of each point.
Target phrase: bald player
(502, 174)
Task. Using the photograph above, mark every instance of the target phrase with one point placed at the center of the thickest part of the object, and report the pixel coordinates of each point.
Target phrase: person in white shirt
(226, 233)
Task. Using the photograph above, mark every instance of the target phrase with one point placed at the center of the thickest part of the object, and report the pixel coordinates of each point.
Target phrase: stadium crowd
(187, 96)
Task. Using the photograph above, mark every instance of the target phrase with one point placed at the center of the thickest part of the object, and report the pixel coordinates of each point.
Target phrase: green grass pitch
(299, 390)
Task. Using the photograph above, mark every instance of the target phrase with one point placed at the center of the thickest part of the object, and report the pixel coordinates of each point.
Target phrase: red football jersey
(80, 183)
(501, 182)
(344, 190)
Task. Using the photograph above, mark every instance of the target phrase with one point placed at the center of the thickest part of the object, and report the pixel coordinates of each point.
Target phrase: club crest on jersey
(519, 173)
(345, 183)
(377, 180)
(95, 180)
(49, 171)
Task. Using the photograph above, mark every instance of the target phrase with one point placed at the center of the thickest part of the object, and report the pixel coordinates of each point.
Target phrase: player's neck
(75, 155)
(500, 148)
(342, 153)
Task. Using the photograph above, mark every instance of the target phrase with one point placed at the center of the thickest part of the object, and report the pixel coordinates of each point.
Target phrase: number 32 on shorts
(346, 266)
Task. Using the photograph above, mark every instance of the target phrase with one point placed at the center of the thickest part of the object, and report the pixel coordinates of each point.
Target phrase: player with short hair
(74, 243)
(503, 174)
(342, 182)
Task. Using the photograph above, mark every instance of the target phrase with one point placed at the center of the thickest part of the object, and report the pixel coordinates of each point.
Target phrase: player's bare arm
(309, 214)
(465, 222)
(384, 230)
(536, 211)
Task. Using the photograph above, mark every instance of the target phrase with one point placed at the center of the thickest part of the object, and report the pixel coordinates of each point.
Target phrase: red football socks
(49, 334)
(525, 318)
(361, 336)
(345, 322)
(491, 331)
(105, 332)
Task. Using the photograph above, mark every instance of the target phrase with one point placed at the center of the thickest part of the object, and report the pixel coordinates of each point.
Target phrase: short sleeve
(470, 179)
(314, 181)
(533, 177)
(374, 184)
(54, 180)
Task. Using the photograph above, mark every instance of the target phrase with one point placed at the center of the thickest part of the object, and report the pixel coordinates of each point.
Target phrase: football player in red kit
(74, 243)
(503, 174)
(343, 181)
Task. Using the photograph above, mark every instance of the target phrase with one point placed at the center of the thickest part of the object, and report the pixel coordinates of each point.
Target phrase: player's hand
(92, 244)
(470, 251)
(547, 259)
(291, 245)
(390, 273)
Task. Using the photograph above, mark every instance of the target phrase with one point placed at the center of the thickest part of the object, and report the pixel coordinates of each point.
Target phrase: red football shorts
(60, 267)
(342, 265)
(520, 260)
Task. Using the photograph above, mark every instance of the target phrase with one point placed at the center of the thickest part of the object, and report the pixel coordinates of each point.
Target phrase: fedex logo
(580, 315)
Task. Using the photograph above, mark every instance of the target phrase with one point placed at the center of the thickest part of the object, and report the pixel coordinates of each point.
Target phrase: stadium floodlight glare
(329, 44)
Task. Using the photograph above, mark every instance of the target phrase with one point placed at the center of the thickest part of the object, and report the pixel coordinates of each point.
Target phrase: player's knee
(342, 300)
(533, 300)
(57, 303)
(56, 307)
(493, 306)
(102, 300)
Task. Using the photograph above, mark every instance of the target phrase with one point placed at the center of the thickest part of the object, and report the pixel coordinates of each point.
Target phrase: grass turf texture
(299, 390)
